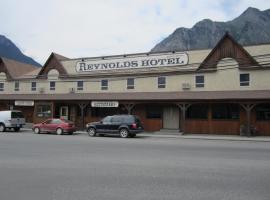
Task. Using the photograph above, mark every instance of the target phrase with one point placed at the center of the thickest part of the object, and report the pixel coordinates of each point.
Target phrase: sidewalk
(210, 137)
(193, 136)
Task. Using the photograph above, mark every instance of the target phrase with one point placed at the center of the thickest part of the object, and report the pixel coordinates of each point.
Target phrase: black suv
(124, 125)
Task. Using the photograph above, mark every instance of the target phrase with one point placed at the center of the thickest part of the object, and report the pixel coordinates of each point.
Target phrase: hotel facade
(224, 90)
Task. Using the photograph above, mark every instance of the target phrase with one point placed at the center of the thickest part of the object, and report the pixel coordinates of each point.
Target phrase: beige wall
(220, 80)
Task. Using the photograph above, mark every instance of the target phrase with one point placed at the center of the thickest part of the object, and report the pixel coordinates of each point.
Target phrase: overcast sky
(85, 28)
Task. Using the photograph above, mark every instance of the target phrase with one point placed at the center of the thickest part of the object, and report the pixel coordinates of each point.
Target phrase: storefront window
(153, 112)
(225, 111)
(197, 111)
(263, 112)
(44, 111)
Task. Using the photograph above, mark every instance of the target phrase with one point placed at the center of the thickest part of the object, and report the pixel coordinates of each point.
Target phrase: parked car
(11, 119)
(123, 125)
(55, 125)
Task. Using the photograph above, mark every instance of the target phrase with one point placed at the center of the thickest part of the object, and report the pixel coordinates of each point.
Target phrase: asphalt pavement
(77, 167)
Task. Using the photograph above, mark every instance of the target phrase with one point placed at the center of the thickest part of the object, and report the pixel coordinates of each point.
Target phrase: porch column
(129, 106)
(82, 105)
(248, 107)
(183, 108)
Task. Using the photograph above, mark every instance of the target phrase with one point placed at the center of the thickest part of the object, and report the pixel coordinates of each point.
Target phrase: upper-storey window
(199, 81)
(17, 86)
(34, 86)
(130, 83)
(161, 82)
(1, 87)
(52, 85)
(79, 85)
(104, 84)
(244, 79)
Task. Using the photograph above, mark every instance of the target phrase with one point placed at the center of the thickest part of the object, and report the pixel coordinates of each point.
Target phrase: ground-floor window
(225, 111)
(103, 112)
(153, 112)
(197, 111)
(44, 111)
(263, 112)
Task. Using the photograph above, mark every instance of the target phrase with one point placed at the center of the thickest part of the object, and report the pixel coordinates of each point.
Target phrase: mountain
(251, 27)
(9, 50)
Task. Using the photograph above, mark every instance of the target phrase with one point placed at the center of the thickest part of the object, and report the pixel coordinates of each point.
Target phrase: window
(161, 82)
(130, 83)
(107, 120)
(263, 112)
(79, 85)
(197, 111)
(153, 112)
(17, 86)
(199, 81)
(1, 87)
(225, 111)
(34, 86)
(104, 84)
(244, 79)
(44, 111)
(52, 85)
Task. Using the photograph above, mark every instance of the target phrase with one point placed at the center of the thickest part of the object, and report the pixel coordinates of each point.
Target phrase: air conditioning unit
(41, 90)
(185, 86)
(72, 90)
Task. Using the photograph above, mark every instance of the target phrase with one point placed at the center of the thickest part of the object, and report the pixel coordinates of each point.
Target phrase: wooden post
(248, 107)
(183, 108)
(82, 106)
(129, 107)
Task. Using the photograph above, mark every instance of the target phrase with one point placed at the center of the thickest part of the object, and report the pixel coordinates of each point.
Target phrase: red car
(58, 126)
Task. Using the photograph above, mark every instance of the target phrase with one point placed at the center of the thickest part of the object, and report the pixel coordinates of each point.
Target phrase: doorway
(171, 117)
(64, 112)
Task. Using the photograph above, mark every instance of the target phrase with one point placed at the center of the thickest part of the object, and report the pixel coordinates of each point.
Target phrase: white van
(11, 119)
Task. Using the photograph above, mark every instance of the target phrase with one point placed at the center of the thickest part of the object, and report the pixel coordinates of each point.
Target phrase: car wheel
(2, 128)
(37, 130)
(91, 132)
(59, 131)
(123, 132)
(16, 129)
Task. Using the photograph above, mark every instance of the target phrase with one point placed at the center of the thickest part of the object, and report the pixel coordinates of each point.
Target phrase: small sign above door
(24, 103)
(105, 104)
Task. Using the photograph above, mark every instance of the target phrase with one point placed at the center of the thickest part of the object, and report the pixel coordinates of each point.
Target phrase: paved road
(51, 167)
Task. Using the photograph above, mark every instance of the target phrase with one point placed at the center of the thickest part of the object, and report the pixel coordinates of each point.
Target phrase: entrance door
(171, 117)
(64, 112)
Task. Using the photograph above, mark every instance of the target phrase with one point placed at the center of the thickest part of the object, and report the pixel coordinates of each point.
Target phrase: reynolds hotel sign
(132, 62)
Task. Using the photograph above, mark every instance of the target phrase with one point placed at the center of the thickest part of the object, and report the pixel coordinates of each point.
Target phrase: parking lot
(81, 167)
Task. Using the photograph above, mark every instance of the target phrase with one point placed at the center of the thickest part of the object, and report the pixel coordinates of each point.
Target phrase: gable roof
(227, 47)
(15, 69)
(53, 62)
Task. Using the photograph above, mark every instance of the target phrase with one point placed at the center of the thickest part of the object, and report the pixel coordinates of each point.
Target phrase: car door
(116, 123)
(45, 127)
(105, 124)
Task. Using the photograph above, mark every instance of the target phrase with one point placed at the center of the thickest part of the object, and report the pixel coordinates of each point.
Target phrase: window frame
(199, 83)
(52, 88)
(161, 82)
(80, 87)
(244, 83)
(2, 87)
(34, 88)
(17, 86)
(104, 84)
(131, 85)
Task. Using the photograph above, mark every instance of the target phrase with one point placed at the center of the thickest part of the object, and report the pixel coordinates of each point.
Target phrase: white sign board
(105, 104)
(24, 103)
(143, 61)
